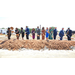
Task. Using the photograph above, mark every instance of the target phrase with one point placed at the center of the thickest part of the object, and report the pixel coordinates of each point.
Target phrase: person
(33, 33)
(38, 33)
(55, 33)
(9, 33)
(50, 33)
(68, 33)
(47, 34)
(27, 32)
(17, 33)
(22, 32)
(43, 33)
(61, 34)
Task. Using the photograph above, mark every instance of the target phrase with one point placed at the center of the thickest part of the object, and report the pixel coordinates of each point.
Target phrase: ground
(24, 53)
(4, 37)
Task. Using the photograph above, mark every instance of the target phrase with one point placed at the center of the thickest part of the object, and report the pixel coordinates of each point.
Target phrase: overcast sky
(33, 22)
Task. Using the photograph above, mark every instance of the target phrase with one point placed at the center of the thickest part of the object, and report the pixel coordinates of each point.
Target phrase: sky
(33, 22)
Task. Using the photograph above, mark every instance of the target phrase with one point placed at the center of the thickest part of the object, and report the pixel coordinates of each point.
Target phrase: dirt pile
(36, 44)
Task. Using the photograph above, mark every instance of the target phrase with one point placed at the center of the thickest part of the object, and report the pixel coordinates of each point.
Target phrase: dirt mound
(36, 44)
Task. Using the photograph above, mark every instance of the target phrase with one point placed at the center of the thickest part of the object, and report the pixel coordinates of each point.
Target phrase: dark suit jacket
(9, 32)
(38, 31)
(70, 33)
(61, 33)
(27, 31)
(54, 32)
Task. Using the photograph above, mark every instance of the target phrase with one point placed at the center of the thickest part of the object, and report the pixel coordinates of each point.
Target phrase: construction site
(35, 45)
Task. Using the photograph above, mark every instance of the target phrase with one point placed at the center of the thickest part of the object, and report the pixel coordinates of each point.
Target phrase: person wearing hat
(9, 33)
(68, 33)
(61, 34)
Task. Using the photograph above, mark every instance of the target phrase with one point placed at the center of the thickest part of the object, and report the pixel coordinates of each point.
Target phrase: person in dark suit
(38, 33)
(22, 32)
(68, 33)
(9, 33)
(61, 34)
(55, 33)
(27, 32)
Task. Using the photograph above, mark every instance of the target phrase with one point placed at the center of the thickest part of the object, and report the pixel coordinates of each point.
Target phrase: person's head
(21, 28)
(62, 28)
(16, 28)
(37, 26)
(26, 26)
(33, 29)
(47, 28)
(42, 28)
(68, 28)
(55, 27)
(8, 28)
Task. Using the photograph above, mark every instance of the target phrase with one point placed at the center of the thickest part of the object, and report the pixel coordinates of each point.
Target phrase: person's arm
(34, 32)
(70, 32)
(15, 31)
(59, 33)
(66, 31)
(56, 32)
(39, 32)
(27, 31)
(10, 32)
(51, 31)
(7, 31)
(62, 33)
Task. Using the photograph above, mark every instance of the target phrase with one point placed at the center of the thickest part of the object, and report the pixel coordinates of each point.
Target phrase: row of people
(50, 34)
(68, 33)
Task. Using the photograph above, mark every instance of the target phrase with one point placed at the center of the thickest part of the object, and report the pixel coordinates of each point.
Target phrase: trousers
(8, 36)
(61, 38)
(68, 37)
(27, 36)
(54, 37)
(38, 37)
